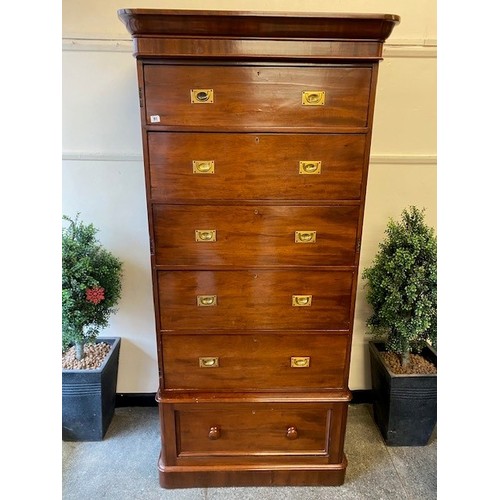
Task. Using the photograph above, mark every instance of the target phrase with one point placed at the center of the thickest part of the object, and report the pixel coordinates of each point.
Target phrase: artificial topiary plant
(91, 285)
(402, 286)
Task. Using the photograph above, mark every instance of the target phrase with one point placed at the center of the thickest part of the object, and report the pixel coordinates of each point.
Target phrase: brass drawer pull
(214, 432)
(205, 235)
(292, 433)
(203, 167)
(313, 97)
(211, 362)
(309, 167)
(206, 300)
(202, 96)
(300, 361)
(305, 236)
(301, 300)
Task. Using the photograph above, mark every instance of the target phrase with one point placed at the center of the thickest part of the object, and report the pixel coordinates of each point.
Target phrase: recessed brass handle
(209, 362)
(203, 167)
(205, 235)
(214, 432)
(202, 96)
(206, 300)
(305, 236)
(313, 97)
(300, 361)
(301, 300)
(309, 167)
(292, 433)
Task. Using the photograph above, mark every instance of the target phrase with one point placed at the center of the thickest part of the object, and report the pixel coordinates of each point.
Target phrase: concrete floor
(123, 466)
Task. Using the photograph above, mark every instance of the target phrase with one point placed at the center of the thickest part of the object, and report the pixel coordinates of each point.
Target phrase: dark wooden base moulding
(259, 475)
(148, 399)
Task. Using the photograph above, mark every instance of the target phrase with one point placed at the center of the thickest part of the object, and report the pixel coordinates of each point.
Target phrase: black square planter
(88, 398)
(404, 406)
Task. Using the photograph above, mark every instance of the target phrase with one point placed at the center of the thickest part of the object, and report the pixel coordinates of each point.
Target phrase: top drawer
(258, 98)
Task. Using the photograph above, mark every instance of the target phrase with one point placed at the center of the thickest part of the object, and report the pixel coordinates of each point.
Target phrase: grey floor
(123, 466)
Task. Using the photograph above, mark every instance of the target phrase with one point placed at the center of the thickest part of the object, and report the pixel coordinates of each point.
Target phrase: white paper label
(155, 118)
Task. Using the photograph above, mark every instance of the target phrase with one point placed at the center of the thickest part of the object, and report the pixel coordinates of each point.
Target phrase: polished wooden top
(216, 23)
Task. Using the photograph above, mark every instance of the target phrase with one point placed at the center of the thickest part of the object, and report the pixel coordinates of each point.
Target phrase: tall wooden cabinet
(256, 131)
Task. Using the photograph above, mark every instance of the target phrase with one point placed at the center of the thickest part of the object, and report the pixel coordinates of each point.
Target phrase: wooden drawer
(260, 429)
(255, 299)
(256, 167)
(255, 235)
(246, 362)
(252, 97)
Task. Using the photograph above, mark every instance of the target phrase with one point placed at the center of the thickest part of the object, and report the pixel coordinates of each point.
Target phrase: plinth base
(248, 475)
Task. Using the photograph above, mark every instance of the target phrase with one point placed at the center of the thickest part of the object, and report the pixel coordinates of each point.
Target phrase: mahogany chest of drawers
(256, 131)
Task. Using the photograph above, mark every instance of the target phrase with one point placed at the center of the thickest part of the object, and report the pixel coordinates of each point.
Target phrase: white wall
(102, 169)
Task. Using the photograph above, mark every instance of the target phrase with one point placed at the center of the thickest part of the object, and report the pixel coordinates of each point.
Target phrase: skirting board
(148, 399)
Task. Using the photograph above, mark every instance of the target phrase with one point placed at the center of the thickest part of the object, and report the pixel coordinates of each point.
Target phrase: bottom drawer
(250, 442)
(253, 429)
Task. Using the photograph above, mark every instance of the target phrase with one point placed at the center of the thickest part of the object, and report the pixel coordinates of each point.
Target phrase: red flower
(95, 295)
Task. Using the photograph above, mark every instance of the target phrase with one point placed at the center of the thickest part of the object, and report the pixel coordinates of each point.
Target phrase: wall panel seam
(388, 159)
(398, 48)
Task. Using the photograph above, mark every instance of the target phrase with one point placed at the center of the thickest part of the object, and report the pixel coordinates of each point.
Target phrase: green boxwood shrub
(91, 284)
(402, 286)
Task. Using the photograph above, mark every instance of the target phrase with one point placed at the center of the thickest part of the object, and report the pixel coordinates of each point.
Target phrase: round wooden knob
(291, 433)
(214, 432)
